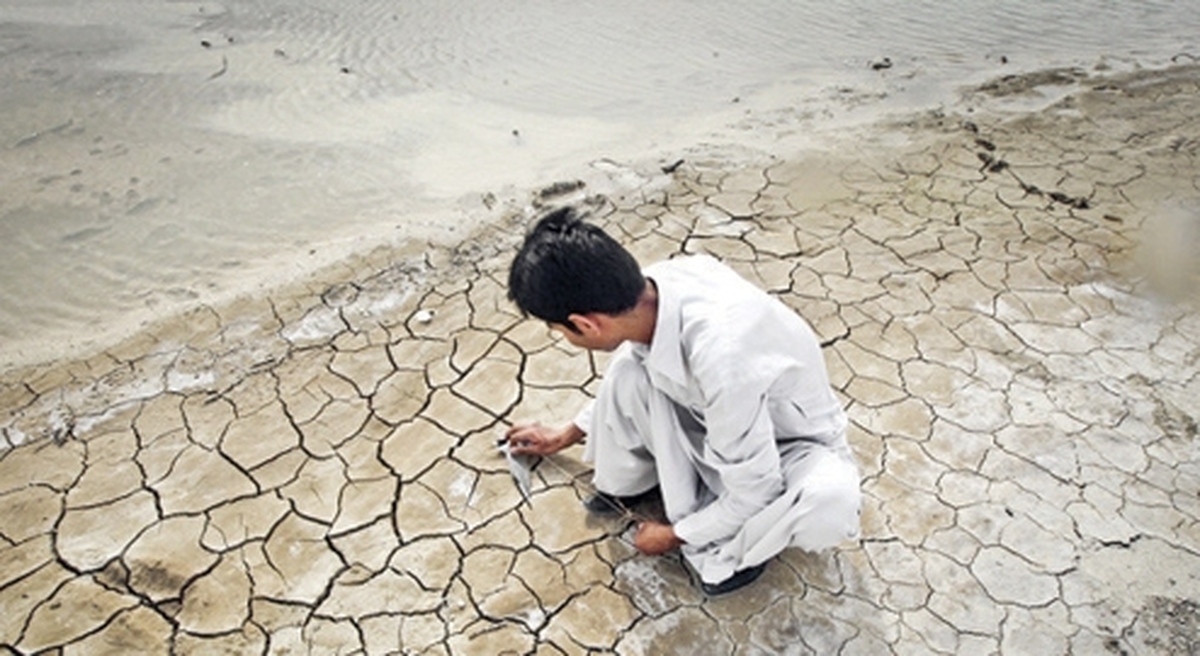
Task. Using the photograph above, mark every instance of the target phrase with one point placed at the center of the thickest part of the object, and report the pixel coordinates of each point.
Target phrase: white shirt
(750, 373)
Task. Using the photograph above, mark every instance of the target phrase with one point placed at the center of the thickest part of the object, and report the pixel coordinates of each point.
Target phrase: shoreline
(783, 121)
(164, 156)
(143, 199)
(165, 349)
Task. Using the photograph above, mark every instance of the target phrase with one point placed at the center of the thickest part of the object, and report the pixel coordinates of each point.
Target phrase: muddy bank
(1117, 154)
(160, 156)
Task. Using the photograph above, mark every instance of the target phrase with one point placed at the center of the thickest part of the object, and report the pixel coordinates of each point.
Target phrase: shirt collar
(665, 352)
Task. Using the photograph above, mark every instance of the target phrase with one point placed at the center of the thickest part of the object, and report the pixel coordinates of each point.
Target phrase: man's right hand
(537, 440)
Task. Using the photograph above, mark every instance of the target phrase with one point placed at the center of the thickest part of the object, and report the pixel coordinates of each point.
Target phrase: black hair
(569, 266)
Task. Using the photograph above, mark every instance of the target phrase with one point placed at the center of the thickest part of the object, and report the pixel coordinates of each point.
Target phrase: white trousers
(638, 438)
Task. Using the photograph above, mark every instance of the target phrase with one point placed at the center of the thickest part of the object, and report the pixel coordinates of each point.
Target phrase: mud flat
(1008, 307)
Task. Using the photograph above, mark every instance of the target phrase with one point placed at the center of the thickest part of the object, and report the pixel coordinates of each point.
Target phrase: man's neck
(644, 317)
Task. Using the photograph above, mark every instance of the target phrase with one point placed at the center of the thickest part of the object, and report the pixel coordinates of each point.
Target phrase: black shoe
(740, 579)
(601, 503)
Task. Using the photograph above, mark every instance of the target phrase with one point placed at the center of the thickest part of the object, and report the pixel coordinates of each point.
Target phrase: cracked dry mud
(316, 471)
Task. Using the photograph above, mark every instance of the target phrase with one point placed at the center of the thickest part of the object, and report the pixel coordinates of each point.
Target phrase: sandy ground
(313, 470)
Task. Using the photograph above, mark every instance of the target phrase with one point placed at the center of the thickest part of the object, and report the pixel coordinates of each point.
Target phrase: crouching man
(717, 394)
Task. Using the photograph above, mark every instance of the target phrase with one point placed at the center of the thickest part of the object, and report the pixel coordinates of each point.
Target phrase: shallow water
(159, 154)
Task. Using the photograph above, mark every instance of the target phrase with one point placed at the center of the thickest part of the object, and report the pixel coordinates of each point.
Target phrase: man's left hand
(654, 538)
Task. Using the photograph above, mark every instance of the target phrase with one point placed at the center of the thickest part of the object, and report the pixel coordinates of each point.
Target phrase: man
(717, 394)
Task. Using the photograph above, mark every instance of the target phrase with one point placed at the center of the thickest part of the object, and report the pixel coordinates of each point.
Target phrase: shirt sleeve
(584, 419)
(740, 446)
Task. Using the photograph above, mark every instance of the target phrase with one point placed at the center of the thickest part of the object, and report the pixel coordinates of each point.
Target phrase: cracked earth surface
(315, 471)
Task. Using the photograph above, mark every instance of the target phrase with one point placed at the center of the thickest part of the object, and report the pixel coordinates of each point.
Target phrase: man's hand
(537, 440)
(655, 538)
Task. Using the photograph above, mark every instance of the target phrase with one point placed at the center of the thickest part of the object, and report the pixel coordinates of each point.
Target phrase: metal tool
(519, 467)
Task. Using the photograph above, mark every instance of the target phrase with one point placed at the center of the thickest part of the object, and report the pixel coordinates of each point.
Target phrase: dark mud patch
(1168, 626)
(1023, 83)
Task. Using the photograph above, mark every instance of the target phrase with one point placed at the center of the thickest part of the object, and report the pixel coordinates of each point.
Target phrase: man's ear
(589, 324)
